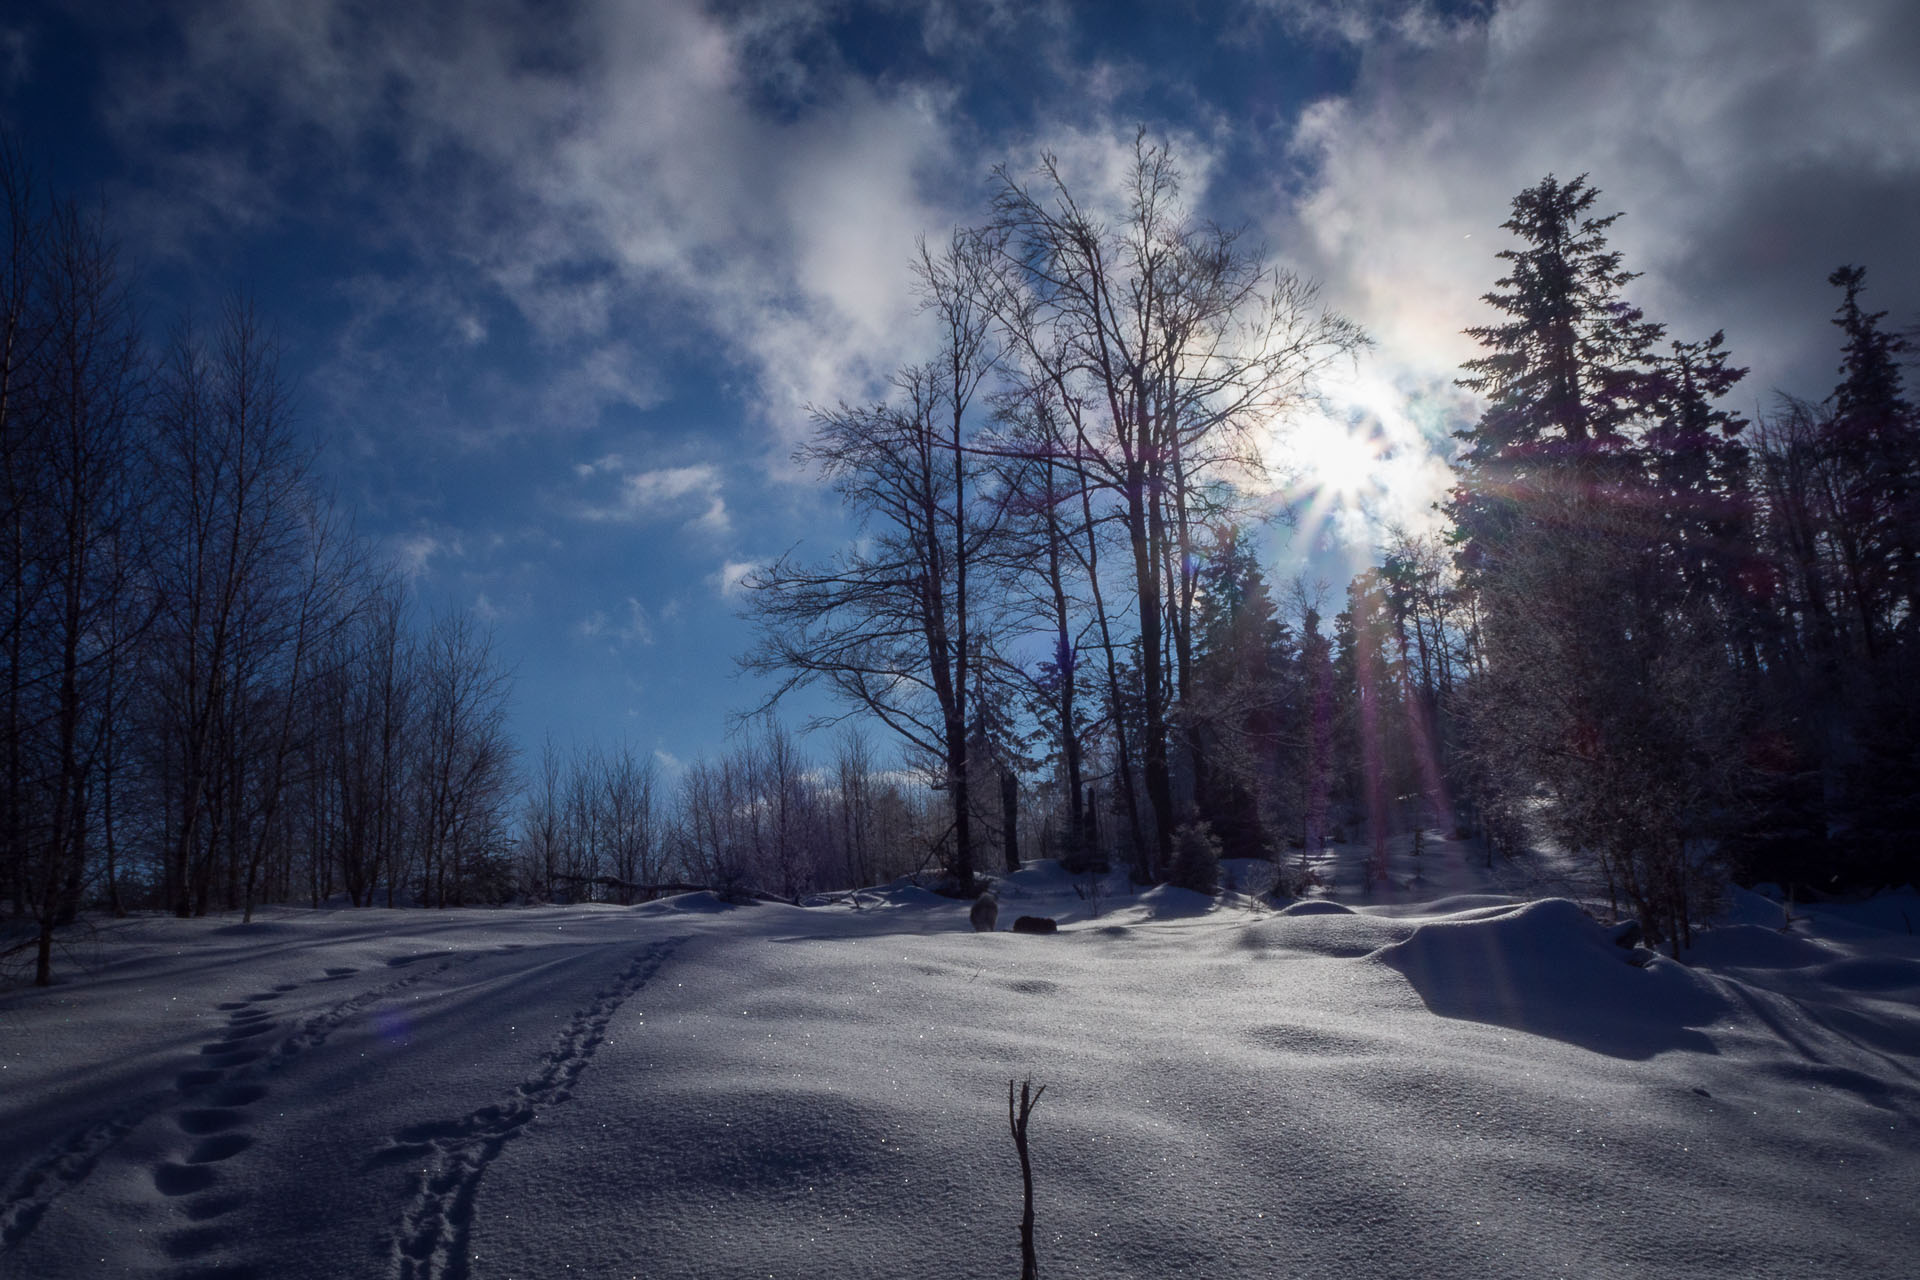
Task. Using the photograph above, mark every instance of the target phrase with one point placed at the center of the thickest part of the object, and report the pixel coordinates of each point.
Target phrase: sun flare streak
(1368, 459)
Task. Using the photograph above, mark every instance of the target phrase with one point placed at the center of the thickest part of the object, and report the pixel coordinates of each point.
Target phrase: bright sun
(1357, 464)
(1337, 462)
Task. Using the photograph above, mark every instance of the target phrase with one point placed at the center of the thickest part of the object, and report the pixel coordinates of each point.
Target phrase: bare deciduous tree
(1170, 348)
(892, 626)
(76, 552)
(231, 486)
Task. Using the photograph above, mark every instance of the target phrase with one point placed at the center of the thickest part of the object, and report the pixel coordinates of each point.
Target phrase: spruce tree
(1874, 439)
(1241, 677)
(1564, 375)
(1605, 689)
(1696, 468)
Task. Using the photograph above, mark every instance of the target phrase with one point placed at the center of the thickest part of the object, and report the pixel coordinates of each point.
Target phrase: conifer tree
(1242, 675)
(1874, 438)
(1564, 375)
(1604, 686)
(1696, 466)
(1317, 706)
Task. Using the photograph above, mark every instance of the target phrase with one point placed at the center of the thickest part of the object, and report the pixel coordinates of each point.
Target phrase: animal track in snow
(220, 1126)
(431, 1243)
(232, 1060)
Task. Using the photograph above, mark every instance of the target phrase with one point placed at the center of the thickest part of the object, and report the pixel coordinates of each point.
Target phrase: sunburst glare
(1365, 459)
(1342, 461)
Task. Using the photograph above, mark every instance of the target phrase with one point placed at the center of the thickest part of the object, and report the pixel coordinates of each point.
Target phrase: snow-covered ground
(1445, 1080)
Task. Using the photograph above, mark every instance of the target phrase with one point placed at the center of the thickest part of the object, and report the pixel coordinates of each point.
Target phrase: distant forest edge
(1673, 642)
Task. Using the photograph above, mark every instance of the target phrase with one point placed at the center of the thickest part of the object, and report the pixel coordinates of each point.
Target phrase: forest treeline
(213, 693)
(1671, 641)
(217, 694)
(1674, 643)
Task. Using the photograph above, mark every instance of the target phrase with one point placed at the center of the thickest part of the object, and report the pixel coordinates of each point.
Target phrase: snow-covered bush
(1196, 859)
(1294, 878)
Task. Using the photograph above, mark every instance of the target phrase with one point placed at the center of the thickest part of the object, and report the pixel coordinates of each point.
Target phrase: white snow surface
(1443, 1079)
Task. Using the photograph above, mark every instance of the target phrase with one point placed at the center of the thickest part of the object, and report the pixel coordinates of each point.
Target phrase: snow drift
(1472, 1086)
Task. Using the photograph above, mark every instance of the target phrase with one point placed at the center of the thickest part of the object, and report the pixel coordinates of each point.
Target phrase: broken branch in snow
(1029, 1264)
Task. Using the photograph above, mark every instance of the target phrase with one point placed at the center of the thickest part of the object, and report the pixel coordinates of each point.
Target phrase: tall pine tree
(1605, 689)
(1565, 373)
(1241, 682)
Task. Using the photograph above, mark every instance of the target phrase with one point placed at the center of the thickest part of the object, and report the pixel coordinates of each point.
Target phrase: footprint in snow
(236, 1058)
(206, 1101)
(172, 1179)
(201, 1120)
(222, 1146)
(434, 1228)
(215, 1205)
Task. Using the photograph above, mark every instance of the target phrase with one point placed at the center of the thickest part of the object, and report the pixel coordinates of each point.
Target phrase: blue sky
(556, 281)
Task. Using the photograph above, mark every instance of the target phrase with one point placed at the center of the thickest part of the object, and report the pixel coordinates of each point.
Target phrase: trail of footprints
(213, 1119)
(431, 1243)
(209, 1107)
(208, 1104)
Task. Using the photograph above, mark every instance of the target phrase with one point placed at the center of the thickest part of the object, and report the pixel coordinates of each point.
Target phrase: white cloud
(649, 488)
(730, 579)
(588, 168)
(714, 520)
(15, 61)
(610, 462)
(512, 605)
(1753, 144)
(633, 626)
(1355, 22)
(413, 553)
(689, 494)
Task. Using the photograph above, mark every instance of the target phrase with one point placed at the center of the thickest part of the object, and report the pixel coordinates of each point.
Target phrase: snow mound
(1896, 911)
(1548, 969)
(1316, 907)
(1457, 905)
(1164, 902)
(1880, 975)
(1039, 876)
(699, 902)
(1753, 946)
(909, 895)
(1343, 935)
(1761, 905)
(1466, 906)
(683, 1089)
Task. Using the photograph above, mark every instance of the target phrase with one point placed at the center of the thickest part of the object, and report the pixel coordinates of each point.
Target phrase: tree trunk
(1010, 817)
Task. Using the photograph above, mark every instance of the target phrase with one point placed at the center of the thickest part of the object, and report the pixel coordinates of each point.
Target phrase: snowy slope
(1442, 1081)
